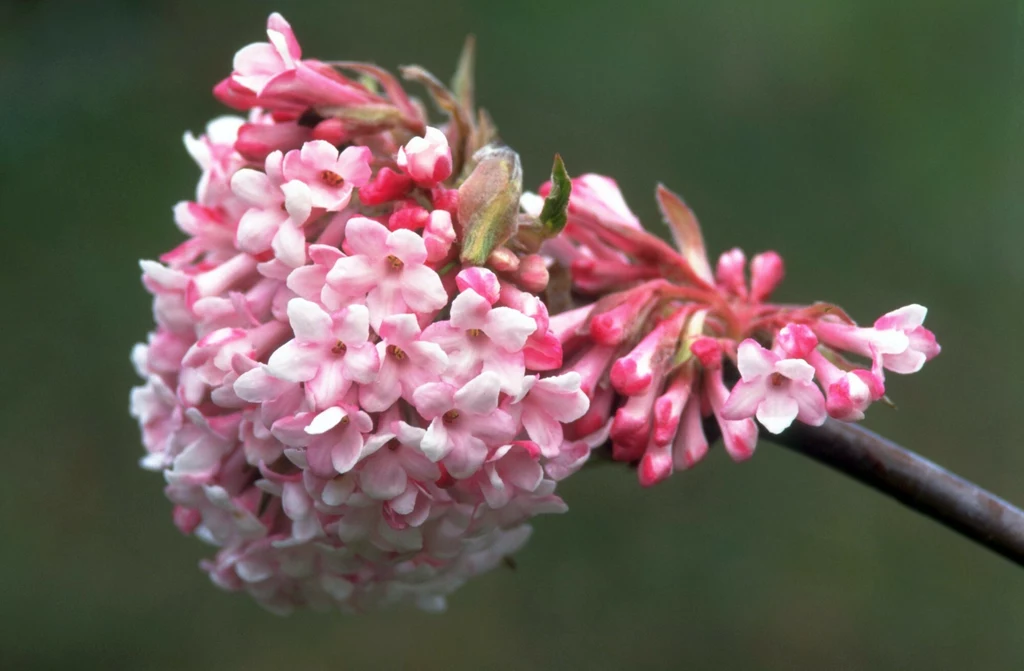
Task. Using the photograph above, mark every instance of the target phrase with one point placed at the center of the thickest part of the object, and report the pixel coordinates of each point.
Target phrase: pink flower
(427, 159)
(545, 404)
(897, 342)
(279, 209)
(330, 352)
(407, 363)
(387, 269)
(774, 389)
(766, 272)
(921, 344)
(481, 338)
(511, 468)
(333, 439)
(731, 272)
(463, 422)
(257, 64)
(330, 175)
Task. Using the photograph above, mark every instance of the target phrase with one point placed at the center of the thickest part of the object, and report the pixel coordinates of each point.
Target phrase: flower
(427, 159)
(336, 400)
(655, 335)
(775, 390)
(329, 174)
(386, 269)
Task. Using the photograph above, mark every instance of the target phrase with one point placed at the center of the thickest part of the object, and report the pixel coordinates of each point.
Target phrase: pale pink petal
(257, 228)
(544, 430)
(383, 477)
(422, 289)
(309, 321)
(294, 362)
(345, 452)
(744, 399)
(903, 319)
(367, 237)
(386, 388)
(433, 399)
(479, 395)
(509, 328)
(289, 245)
(354, 165)
(362, 363)
(407, 246)
(754, 360)
(353, 276)
(777, 411)
(399, 329)
(469, 311)
(320, 154)
(298, 201)
(330, 384)
(255, 188)
(810, 402)
(435, 443)
(353, 327)
(795, 369)
(325, 421)
(467, 455)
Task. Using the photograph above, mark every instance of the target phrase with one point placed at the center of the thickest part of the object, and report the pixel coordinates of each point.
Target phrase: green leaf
(554, 214)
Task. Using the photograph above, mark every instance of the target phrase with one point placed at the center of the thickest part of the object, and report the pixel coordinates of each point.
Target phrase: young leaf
(462, 83)
(553, 216)
(686, 232)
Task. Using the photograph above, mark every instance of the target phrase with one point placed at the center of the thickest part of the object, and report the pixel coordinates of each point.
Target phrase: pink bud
(411, 217)
(766, 271)
(656, 465)
(438, 235)
(708, 351)
(427, 159)
(386, 186)
(731, 273)
(533, 273)
(480, 280)
(796, 341)
(330, 130)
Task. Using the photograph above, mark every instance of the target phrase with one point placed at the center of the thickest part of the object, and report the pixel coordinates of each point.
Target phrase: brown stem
(907, 477)
(913, 481)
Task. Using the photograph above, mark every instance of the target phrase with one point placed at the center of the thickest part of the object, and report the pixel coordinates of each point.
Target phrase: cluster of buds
(375, 356)
(659, 334)
(353, 389)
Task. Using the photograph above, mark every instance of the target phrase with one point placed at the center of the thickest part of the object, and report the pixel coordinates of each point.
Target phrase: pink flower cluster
(660, 330)
(352, 414)
(375, 356)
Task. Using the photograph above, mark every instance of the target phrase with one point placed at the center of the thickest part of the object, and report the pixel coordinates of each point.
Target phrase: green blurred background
(875, 144)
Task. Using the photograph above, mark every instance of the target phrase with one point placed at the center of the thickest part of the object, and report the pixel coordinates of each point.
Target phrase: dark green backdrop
(873, 143)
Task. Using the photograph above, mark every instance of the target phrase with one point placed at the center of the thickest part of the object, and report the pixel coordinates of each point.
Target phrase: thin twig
(913, 481)
(907, 477)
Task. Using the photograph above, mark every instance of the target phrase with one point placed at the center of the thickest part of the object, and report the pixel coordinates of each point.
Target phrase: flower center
(776, 379)
(331, 178)
(339, 348)
(473, 333)
(395, 262)
(450, 416)
(397, 352)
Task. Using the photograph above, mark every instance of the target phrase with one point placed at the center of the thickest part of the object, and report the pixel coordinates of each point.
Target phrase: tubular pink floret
(663, 388)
